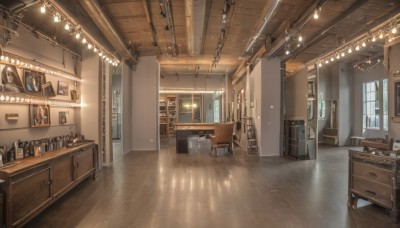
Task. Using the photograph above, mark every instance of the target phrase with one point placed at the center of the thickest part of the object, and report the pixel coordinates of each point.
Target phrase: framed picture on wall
(39, 115)
(10, 81)
(397, 98)
(63, 117)
(48, 90)
(33, 81)
(62, 88)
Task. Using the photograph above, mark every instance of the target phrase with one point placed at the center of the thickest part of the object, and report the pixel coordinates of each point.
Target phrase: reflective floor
(165, 189)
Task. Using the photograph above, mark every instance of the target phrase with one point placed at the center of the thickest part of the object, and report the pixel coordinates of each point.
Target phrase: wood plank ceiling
(339, 21)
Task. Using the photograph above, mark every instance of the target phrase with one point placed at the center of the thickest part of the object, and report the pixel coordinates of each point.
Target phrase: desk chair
(222, 137)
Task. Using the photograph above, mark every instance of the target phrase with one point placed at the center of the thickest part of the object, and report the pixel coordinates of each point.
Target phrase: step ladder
(252, 148)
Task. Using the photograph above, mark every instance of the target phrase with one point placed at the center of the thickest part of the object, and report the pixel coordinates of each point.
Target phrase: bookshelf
(168, 115)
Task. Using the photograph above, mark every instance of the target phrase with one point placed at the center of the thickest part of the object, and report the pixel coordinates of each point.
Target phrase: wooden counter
(183, 131)
(32, 184)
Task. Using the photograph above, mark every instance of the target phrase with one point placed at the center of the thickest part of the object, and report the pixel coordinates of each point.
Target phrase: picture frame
(63, 117)
(397, 98)
(33, 81)
(62, 88)
(310, 89)
(48, 90)
(10, 80)
(39, 115)
(74, 95)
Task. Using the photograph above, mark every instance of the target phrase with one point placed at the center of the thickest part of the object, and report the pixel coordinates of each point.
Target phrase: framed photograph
(397, 98)
(63, 117)
(62, 88)
(74, 95)
(48, 90)
(33, 81)
(40, 115)
(10, 80)
(310, 89)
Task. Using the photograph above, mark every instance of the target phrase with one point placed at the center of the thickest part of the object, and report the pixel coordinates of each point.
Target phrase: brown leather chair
(222, 137)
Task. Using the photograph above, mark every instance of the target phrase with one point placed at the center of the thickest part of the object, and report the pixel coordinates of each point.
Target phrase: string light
(59, 16)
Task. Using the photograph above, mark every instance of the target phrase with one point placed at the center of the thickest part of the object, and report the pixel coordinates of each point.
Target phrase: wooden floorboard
(165, 189)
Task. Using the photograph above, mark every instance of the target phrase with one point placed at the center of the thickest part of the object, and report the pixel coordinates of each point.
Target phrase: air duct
(106, 27)
(195, 14)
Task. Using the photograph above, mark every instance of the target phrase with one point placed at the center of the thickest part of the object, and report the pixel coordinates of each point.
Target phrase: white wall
(267, 106)
(296, 95)
(393, 58)
(215, 82)
(126, 108)
(90, 96)
(345, 104)
(145, 104)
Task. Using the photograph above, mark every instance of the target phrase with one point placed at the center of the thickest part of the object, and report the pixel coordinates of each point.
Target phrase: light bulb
(67, 27)
(89, 46)
(373, 39)
(394, 30)
(300, 38)
(381, 36)
(84, 40)
(316, 16)
(287, 52)
(100, 53)
(43, 8)
(77, 35)
(363, 44)
(337, 56)
(320, 64)
(350, 50)
(332, 59)
(343, 54)
(57, 17)
(357, 48)
(326, 61)
(95, 49)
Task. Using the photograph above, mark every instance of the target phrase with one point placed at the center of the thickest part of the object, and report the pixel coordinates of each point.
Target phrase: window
(375, 105)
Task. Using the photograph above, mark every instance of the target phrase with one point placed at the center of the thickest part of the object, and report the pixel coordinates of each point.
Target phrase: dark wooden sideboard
(374, 176)
(32, 184)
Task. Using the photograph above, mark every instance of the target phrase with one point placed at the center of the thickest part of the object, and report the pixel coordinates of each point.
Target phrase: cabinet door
(84, 162)
(63, 175)
(28, 192)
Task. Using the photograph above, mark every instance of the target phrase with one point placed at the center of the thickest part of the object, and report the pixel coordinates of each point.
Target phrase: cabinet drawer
(378, 192)
(373, 173)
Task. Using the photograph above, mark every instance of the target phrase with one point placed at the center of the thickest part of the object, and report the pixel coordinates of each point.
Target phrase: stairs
(252, 148)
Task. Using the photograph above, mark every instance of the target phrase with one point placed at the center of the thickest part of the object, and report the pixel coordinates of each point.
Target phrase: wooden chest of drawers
(375, 177)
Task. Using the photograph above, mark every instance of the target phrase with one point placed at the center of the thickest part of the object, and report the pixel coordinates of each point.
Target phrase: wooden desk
(183, 131)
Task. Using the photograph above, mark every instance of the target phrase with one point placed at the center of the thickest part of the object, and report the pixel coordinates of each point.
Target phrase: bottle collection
(35, 148)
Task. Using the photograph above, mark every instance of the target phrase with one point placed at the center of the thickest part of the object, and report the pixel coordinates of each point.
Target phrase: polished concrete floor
(165, 189)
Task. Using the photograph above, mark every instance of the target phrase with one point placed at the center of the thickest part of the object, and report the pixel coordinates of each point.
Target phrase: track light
(363, 44)
(358, 47)
(300, 38)
(381, 36)
(43, 8)
(67, 27)
(332, 59)
(373, 39)
(394, 30)
(84, 40)
(320, 64)
(78, 35)
(316, 16)
(343, 54)
(95, 49)
(89, 46)
(287, 52)
(350, 50)
(57, 17)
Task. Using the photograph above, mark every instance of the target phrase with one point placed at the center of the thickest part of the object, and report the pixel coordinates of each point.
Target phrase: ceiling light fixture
(84, 40)
(78, 35)
(43, 8)
(89, 46)
(316, 16)
(67, 27)
(57, 17)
